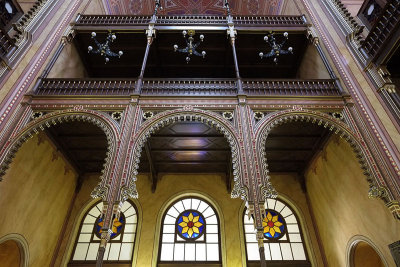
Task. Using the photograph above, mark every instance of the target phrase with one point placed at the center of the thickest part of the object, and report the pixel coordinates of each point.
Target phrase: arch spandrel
(378, 186)
(165, 118)
(33, 127)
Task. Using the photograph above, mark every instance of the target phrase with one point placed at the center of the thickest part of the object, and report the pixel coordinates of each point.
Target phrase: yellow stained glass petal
(196, 230)
(185, 229)
(275, 218)
(264, 223)
(190, 217)
(195, 219)
(185, 219)
(279, 224)
(272, 231)
(190, 232)
(269, 216)
(198, 224)
(266, 229)
(183, 224)
(277, 229)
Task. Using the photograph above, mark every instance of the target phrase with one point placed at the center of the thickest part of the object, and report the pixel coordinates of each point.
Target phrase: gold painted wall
(34, 198)
(338, 193)
(172, 185)
(69, 64)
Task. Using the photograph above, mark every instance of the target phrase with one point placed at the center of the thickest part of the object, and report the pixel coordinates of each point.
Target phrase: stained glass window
(190, 232)
(122, 240)
(282, 236)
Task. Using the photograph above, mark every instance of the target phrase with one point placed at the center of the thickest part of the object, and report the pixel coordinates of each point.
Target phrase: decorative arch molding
(174, 198)
(22, 244)
(101, 120)
(378, 187)
(188, 113)
(353, 242)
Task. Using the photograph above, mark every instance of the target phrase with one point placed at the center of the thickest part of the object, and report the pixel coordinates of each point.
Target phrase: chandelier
(190, 48)
(276, 48)
(104, 49)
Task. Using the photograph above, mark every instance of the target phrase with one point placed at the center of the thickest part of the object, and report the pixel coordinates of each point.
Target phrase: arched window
(283, 240)
(121, 244)
(190, 233)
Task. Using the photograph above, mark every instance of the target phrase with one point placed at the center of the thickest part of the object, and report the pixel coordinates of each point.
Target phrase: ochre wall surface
(171, 185)
(312, 66)
(69, 64)
(338, 194)
(34, 198)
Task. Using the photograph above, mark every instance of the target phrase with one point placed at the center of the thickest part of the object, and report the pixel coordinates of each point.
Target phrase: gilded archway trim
(103, 121)
(163, 119)
(377, 184)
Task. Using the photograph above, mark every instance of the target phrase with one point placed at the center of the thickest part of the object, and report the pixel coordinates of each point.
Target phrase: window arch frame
(68, 257)
(159, 234)
(305, 237)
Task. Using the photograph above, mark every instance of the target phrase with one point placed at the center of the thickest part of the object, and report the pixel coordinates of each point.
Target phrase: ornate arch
(22, 244)
(103, 121)
(377, 184)
(186, 114)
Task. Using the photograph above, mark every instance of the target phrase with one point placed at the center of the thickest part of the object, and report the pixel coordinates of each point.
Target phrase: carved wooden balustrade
(263, 21)
(386, 25)
(186, 87)
(6, 44)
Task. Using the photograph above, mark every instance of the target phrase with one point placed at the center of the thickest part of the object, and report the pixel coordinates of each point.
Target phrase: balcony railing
(200, 20)
(186, 87)
(387, 23)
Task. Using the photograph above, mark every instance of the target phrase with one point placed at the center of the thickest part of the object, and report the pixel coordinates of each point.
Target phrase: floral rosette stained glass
(274, 225)
(190, 224)
(117, 226)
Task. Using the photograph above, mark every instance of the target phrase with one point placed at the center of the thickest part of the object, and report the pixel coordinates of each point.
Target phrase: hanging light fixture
(104, 49)
(276, 48)
(190, 48)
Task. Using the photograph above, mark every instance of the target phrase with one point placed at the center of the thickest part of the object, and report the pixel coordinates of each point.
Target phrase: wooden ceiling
(290, 147)
(83, 144)
(190, 147)
(163, 62)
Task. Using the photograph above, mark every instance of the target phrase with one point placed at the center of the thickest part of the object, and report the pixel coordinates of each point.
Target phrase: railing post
(232, 35)
(150, 32)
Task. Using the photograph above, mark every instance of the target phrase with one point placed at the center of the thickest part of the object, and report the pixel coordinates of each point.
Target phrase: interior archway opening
(187, 147)
(10, 254)
(364, 255)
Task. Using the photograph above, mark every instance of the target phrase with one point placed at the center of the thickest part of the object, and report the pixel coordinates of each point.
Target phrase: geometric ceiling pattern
(193, 7)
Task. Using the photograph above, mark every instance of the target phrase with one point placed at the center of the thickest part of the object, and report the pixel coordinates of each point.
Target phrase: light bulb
(120, 53)
(90, 48)
(203, 53)
(187, 59)
(265, 38)
(184, 33)
(201, 37)
(175, 47)
(113, 37)
(107, 59)
(276, 60)
(93, 34)
(290, 49)
(285, 34)
(261, 54)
